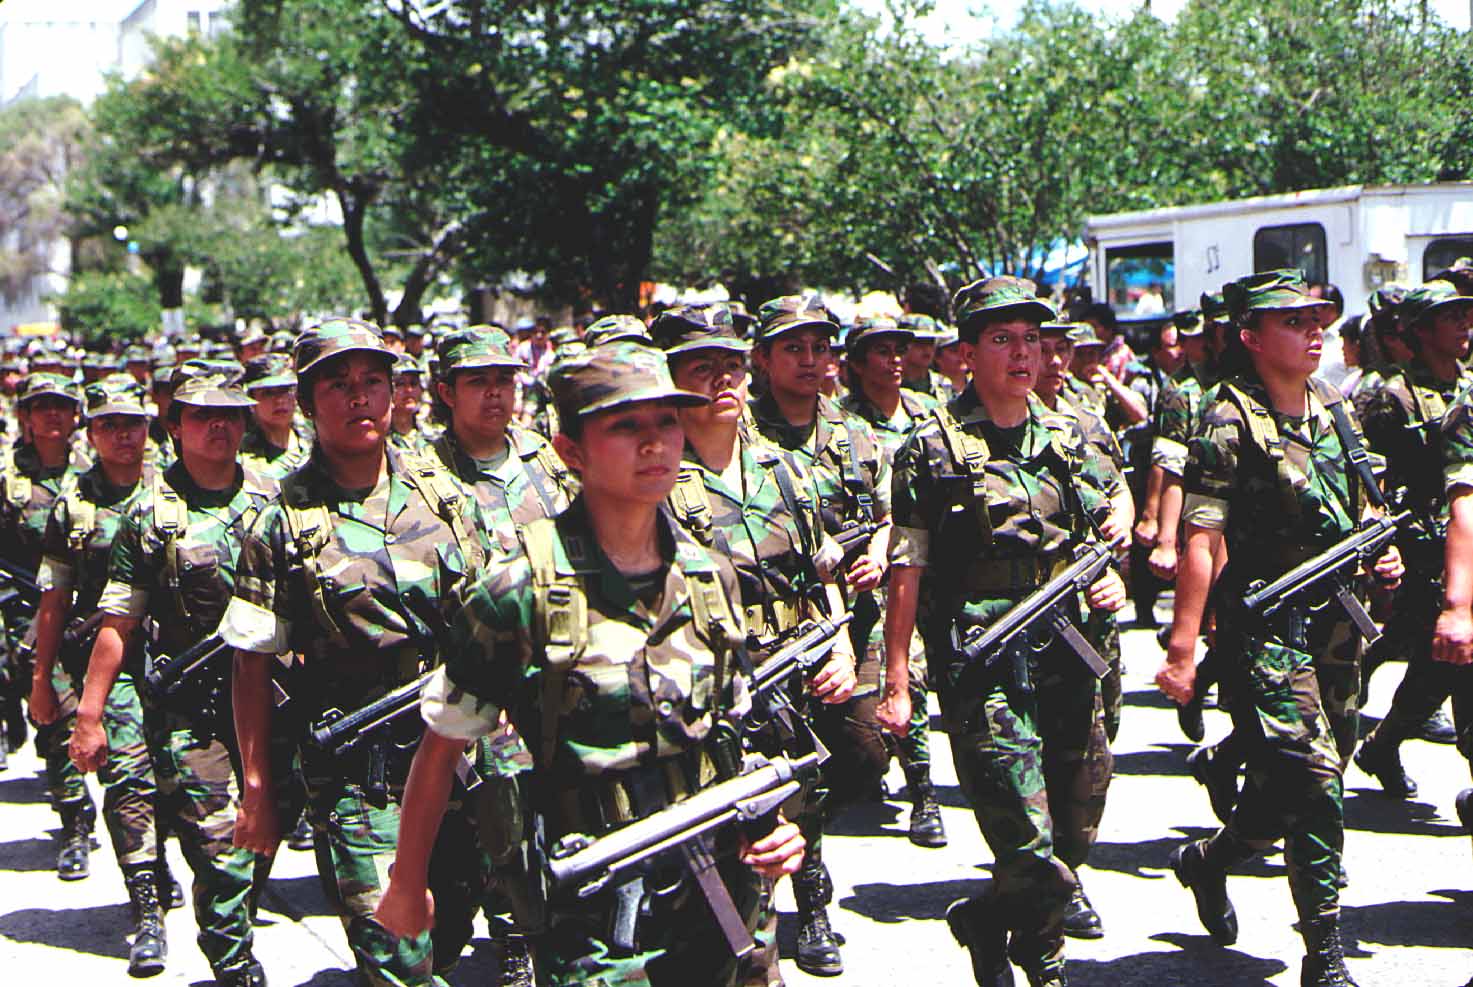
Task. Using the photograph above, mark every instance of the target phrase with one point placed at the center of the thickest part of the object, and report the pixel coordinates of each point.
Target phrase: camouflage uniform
(258, 453)
(173, 567)
(1280, 490)
(626, 706)
(357, 584)
(1457, 451)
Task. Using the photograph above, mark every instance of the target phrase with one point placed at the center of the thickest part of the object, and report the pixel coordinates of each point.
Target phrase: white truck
(1358, 237)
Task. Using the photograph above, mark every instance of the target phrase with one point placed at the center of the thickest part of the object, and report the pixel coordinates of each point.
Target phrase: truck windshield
(1441, 254)
(1141, 278)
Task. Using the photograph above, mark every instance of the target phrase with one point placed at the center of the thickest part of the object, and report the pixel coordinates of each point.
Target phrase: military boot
(245, 973)
(1080, 918)
(150, 949)
(77, 820)
(1382, 761)
(1053, 977)
(170, 893)
(1324, 963)
(926, 828)
(1437, 729)
(4, 752)
(1208, 885)
(975, 924)
(818, 947)
(1217, 774)
(1465, 809)
(301, 838)
(516, 962)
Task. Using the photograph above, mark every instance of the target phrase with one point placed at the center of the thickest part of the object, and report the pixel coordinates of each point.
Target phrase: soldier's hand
(893, 712)
(1113, 530)
(1145, 532)
(836, 680)
(45, 708)
(404, 912)
(1163, 561)
(865, 574)
(1452, 638)
(256, 828)
(1107, 593)
(88, 747)
(1389, 569)
(1178, 679)
(777, 854)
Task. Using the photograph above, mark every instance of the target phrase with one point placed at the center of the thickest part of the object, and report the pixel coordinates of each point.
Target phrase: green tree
(108, 306)
(43, 141)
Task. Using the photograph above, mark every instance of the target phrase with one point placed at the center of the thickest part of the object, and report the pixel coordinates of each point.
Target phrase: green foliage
(42, 139)
(110, 306)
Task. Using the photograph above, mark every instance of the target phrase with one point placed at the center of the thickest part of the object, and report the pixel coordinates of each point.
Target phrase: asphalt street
(1408, 912)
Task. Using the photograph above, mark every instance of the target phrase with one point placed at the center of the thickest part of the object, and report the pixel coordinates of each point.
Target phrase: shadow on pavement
(899, 902)
(1160, 759)
(1195, 961)
(297, 897)
(1152, 698)
(31, 854)
(97, 930)
(868, 819)
(322, 978)
(1434, 924)
(22, 789)
(1134, 858)
(1368, 810)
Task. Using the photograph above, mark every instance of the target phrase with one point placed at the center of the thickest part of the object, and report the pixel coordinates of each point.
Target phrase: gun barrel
(1352, 549)
(347, 730)
(695, 815)
(168, 674)
(985, 643)
(792, 654)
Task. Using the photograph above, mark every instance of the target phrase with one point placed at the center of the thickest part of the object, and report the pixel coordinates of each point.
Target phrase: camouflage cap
(1386, 299)
(696, 327)
(192, 344)
(872, 328)
(115, 394)
(1269, 291)
(564, 336)
(162, 377)
(281, 341)
(406, 365)
(1422, 304)
(476, 346)
(1214, 309)
(251, 335)
(137, 354)
(41, 384)
(1188, 323)
(924, 328)
(334, 338)
(949, 336)
(616, 328)
(1083, 335)
(614, 374)
(789, 312)
(392, 331)
(268, 370)
(999, 297)
(741, 318)
(1057, 328)
(210, 390)
(1459, 274)
(414, 329)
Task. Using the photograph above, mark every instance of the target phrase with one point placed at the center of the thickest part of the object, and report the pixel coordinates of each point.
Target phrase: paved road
(1408, 910)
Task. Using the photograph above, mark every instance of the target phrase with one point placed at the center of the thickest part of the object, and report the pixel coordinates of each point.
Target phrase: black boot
(1208, 885)
(818, 947)
(1382, 761)
(77, 820)
(1189, 718)
(975, 924)
(1324, 961)
(150, 947)
(1465, 809)
(1080, 918)
(170, 893)
(1048, 978)
(516, 962)
(1217, 774)
(246, 973)
(15, 726)
(925, 815)
(4, 752)
(1437, 729)
(301, 838)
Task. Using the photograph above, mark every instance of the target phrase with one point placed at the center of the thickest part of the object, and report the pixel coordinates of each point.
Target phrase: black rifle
(852, 540)
(79, 633)
(1041, 615)
(340, 732)
(167, 674)
(18, 589)
(1335, 566)
(805, 648)
(681, 832)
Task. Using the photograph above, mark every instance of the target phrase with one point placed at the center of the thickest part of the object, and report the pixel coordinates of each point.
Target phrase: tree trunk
(354, 210)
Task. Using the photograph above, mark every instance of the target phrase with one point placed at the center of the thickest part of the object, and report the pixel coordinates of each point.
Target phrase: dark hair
(928, 298)
(1331, 294)
(1102, 313)
(1350, 329)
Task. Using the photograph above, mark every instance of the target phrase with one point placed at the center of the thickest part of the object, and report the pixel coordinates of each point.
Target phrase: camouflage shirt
(643, 685)
(529, 483)
(148, 558)
(1270, 508)
(1177, 411)
(914, 407)
(1457, 444)
(27, 492)
(1105, 468)
(376, 614)
(260, 455)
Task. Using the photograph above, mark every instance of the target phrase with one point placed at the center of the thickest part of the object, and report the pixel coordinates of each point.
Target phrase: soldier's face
(720, 375)
(118, 439)
(481, 400)
(881, 367)
(628, 455)
(1288, 341)
(1194, 348)
(796, 362)
(350, 403)
(1005, 358)
(408, 394)
(249, 351)
(209, 435)
(1055, 353)
(1447, 337)
(50, 418)
(949, 361)
(918, 357)
(275, 405)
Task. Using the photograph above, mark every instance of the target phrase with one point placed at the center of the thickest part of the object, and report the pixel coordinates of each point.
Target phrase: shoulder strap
(969, 454)
(691, 503)
(170, 520)
(798, 506)
(81, 519)
(852, 475)
(446, 499)
(309, 527)
(548, 464)
(559, 621)
(1262, 429)
(1350, 442)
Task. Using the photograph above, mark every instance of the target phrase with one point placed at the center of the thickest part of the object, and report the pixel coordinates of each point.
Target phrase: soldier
(1270, 472)
(919, 374)
(272, 447)
(1403, 422)
(406, 427)
(171, 569)
(351, 568)
(986, 502)
(626, 584)
(34, 475)
(79, 536)
(755, 505)
(949, 362)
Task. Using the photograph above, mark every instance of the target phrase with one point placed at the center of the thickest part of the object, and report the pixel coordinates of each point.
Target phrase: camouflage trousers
(914, 749)
(198, 801)
(128, 789)
(1427, 683)
(1035, 767)
(679, 943)
(355, 840)
(1104, 634)
(1281, 704)
(858, 755)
